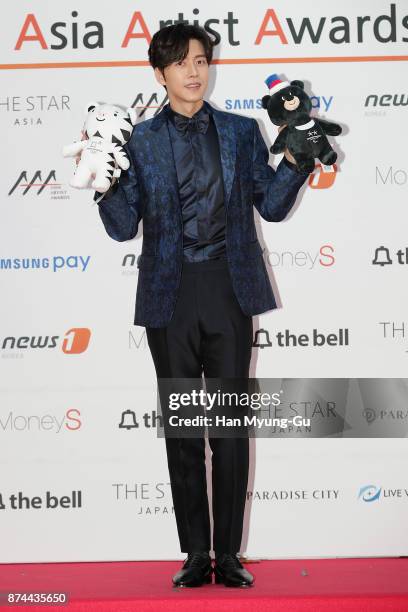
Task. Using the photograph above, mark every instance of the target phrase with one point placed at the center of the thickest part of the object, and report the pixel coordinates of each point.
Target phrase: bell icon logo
(382, 256)
(76, 340)
(128, 420)
(262, 338)
(323, 176)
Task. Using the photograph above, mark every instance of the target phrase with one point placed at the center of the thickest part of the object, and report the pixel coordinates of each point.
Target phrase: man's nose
(192, 69)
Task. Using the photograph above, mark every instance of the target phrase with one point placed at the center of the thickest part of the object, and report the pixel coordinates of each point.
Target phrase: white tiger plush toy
(107, 128)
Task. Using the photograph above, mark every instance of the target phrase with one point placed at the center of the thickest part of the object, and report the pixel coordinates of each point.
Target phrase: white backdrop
(63, 389)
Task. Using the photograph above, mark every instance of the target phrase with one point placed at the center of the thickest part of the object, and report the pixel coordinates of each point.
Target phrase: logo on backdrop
(371, 493)
(322, 103)
(391, 176)
(384, 257)
(322, 177)
(285, 339)
(324, 257)
(379, 105)
(129, 267)
(129, 420)
(395, 332)
(154, 497)
(393, 414)
(55, 263)
(284, 495)
(137, 339)
(32, 110)
(44, 423)
(38, 182)
(73, 31)
(45, 501)
(73, 342)
(143, 103)
(307, 260)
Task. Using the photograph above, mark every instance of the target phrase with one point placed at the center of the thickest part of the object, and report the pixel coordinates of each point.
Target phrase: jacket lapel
(162, 153)
(227, 141)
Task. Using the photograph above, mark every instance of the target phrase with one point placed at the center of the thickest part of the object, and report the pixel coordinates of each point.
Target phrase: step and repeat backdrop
(83, 475)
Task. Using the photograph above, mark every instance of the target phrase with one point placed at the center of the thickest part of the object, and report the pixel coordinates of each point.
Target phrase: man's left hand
(288, 155)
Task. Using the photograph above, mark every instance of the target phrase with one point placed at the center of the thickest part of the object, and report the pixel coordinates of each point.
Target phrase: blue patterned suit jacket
(149, 191)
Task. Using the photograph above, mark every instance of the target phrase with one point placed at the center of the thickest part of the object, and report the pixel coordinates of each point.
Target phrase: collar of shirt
(205, 109)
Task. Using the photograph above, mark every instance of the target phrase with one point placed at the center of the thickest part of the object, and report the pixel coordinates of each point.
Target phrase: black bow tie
(196, 124)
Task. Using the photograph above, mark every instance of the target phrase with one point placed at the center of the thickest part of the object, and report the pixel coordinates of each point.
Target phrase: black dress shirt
(201, 189)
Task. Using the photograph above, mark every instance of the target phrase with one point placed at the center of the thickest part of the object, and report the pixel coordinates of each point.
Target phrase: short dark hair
(170, 44)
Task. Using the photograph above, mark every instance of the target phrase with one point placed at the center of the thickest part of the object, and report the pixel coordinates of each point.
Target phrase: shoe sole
(220, 580)
(206, 580)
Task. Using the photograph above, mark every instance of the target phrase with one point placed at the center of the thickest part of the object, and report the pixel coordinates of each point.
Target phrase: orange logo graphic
(323, 176)
(76, 340)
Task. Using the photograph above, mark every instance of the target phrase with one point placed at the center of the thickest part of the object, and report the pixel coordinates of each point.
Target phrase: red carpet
(363, 585)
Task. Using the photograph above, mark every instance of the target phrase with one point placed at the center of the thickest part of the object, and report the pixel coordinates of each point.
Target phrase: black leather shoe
(229, 570)
(196, 571)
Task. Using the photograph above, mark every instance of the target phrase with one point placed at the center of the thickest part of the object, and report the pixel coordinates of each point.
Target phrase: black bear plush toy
(304, 136)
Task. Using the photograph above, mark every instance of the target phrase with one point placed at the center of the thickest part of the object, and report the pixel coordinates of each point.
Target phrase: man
(196, 173)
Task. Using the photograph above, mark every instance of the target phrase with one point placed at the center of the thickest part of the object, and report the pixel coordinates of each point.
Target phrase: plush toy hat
(275, 84)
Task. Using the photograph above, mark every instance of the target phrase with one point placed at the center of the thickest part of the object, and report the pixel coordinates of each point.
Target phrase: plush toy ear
(90, 106)
(132, 115)
(298, 84)
(265, 101)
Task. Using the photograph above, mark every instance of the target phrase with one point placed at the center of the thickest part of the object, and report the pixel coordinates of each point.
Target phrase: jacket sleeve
(120, 208)
(274, 191)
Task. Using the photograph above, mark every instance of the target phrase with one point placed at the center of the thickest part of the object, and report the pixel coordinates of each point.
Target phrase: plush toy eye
(283, 97)
(115, 114)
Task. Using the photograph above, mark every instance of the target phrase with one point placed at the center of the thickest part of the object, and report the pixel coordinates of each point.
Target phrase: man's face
(186, 80)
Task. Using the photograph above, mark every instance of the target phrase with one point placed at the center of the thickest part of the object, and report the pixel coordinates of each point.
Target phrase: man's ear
(159, 76)
(298, 84)
(265, 101)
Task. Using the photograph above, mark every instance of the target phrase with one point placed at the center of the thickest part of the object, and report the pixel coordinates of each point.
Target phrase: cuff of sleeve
(102, 197)
(293, 166)
(96, 197)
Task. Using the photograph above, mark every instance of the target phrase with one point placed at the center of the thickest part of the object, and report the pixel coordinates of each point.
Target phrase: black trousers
(208, 334)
